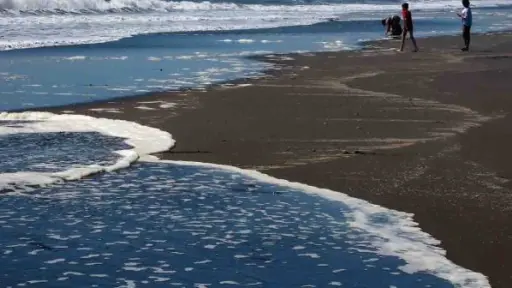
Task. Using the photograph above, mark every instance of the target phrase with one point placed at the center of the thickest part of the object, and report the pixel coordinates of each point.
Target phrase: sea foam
(144, 140)
(397, 234)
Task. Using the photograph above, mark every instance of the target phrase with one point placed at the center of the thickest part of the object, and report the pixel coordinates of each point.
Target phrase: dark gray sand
(428, 133)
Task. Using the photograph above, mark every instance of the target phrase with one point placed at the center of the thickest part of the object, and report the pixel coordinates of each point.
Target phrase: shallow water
(52, 76)
(156, 225)
(46, 152)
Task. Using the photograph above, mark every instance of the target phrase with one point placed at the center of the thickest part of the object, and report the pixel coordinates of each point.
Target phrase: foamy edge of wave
(400, 237)
(144, 140)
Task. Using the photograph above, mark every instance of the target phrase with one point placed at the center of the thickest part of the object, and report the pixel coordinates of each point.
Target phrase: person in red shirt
(408, 27)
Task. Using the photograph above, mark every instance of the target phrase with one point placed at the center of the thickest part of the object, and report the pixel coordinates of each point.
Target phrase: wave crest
(41, 7)
(104, 6)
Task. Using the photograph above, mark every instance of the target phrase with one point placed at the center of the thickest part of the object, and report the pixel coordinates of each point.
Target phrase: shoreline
(369, 45)
(370, 124)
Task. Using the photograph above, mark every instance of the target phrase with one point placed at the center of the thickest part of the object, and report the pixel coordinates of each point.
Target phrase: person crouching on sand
(408, 27)
(393, 27)
(467, 21)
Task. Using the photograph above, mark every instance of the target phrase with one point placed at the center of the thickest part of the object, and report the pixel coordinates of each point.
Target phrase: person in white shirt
(467, 21)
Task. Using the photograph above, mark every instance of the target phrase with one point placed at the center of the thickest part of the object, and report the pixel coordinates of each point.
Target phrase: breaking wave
(44, 7)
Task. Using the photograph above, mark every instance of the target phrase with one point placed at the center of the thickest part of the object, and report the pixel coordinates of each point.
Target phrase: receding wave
(44, 7)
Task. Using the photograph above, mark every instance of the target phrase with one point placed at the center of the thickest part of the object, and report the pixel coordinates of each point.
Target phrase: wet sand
(427, 133)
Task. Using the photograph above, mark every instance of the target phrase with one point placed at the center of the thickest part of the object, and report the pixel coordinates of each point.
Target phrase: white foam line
(167, 105)
(144, 140)
(400, 237)
(245, 41)
(107, 110)
(75, 58)
(142, 107)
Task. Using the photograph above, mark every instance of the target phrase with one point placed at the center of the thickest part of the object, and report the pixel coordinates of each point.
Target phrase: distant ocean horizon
(138, 221)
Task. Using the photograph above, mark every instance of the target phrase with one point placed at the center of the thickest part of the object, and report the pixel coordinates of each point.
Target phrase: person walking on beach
(467, 21)
(408, 27)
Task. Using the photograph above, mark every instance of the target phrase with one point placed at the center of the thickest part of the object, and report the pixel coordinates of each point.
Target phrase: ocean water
(82, 204)
(183, 224)
(161, 225)
(87, 49)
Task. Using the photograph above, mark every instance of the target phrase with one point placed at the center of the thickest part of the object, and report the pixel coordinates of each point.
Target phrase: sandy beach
(426, 133)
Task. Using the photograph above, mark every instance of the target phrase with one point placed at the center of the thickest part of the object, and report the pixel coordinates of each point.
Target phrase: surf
(77, 7)
(63, 23)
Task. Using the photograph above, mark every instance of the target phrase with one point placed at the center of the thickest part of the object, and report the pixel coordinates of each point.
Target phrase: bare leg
(413, 41)
(404, 34)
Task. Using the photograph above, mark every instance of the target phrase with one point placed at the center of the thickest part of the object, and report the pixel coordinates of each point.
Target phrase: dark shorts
(466, 31)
